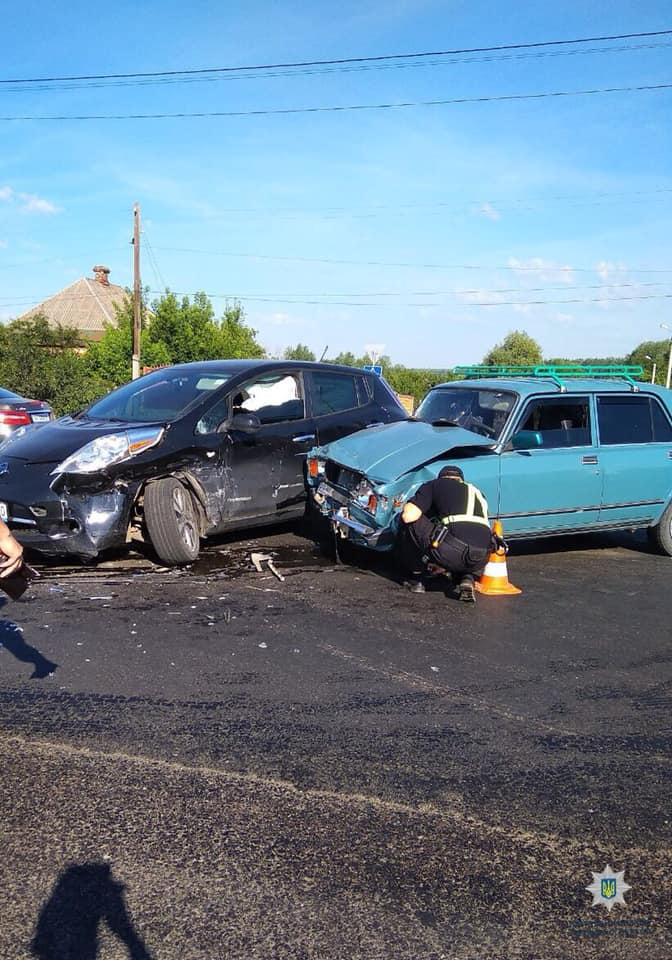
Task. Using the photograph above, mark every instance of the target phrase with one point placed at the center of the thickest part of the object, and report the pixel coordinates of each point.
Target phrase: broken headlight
(315, 467)
(110, 449)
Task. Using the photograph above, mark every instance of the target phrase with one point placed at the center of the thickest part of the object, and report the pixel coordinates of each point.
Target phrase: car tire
(660, 536)
(172, 521)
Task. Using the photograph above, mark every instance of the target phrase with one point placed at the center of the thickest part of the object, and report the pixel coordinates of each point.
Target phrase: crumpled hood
(387, 452)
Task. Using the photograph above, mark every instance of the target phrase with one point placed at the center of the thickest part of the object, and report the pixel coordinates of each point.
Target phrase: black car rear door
(342, 403)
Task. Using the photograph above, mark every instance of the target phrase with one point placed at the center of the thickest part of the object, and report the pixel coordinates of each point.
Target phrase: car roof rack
(556, 372)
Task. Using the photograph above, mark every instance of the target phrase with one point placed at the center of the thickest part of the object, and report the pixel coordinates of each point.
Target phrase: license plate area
(39, 417)
(326, 490)
(4, 513)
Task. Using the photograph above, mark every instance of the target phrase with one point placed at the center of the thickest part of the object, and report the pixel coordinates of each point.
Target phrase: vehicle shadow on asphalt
(11, 638)
(84, 896)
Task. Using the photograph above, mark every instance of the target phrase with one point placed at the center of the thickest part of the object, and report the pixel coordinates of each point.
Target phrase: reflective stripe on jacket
(476, 509)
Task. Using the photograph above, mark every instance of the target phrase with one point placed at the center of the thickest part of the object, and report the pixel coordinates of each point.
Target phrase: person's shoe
(415, 586)
(466, 590)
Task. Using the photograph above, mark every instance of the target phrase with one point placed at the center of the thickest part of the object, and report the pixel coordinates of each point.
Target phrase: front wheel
(660, 536)
(171, 521)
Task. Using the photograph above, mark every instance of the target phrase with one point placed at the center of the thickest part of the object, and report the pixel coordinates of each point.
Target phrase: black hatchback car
(182, 453)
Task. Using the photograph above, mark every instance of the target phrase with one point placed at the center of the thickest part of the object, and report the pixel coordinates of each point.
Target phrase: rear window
(8, 395)
(632, 419)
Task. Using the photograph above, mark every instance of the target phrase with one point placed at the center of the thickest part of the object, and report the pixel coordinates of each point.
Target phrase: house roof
(87, 304)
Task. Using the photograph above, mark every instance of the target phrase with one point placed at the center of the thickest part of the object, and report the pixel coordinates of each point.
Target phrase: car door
(341, 404)
(635, 450)
(550, 481)
(258, 471)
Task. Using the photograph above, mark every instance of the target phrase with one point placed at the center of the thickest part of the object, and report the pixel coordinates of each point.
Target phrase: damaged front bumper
(350, 519)
(61, 516)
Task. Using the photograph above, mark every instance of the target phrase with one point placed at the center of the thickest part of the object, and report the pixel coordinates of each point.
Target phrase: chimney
(101, 274)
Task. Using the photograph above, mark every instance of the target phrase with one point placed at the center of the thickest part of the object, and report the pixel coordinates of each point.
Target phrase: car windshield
(483, 411)
(8, 395)
(161, 395)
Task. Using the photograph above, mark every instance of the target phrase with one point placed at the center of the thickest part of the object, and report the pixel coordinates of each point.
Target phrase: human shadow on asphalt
(11, 638)
(84, 895)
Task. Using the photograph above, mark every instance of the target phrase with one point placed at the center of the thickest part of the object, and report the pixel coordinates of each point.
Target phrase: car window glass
(162, 395)
(561, 423)
(662, 429)
(274, 398)
(333, 392)
(631, 420)
(8, 395)
(482, 411)
(363, 395)
(213, 417)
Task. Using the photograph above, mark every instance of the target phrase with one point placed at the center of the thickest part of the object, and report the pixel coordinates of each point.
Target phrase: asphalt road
(216, 764)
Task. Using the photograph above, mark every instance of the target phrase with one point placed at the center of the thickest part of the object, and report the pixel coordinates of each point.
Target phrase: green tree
(415, 382)
(110, 358)
(299, 352)
(517, 347)
(347, 359)
(237, 339)
(41, 361)
(659, 351)
(189, 330)
(175, 331)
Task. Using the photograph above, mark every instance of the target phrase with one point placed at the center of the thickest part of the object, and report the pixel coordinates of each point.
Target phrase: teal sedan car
(555, 450)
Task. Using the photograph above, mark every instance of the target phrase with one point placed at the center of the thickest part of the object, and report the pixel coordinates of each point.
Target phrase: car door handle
(303, 438)
(589, 458)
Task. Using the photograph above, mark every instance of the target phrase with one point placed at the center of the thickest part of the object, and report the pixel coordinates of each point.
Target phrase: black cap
(451, 472)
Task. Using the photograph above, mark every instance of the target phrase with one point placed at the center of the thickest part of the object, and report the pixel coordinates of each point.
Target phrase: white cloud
(484, 297)
(606, 269)
(33, 204)
(487, 210)
(28, 202)
(537, 268)
(283, 320)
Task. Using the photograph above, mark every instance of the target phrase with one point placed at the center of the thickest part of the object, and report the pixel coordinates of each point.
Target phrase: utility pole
(137, 302)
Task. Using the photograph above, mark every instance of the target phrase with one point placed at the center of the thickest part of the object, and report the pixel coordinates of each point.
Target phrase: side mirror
(243, 422)
(527, 440)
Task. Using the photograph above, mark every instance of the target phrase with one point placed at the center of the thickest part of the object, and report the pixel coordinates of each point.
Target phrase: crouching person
(446, 525)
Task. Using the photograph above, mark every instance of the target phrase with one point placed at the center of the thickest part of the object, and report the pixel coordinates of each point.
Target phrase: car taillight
(14, 418)
(313, 466)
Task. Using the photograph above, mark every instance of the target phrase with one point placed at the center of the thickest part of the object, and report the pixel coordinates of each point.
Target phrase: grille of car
(347, 479)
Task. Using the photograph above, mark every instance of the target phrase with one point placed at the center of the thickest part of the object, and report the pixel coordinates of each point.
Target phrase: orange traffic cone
(494, 581)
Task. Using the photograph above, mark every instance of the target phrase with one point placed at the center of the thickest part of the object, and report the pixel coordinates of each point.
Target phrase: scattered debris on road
(259, 558)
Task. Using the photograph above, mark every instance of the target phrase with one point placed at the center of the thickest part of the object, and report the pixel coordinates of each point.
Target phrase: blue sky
(439, 209)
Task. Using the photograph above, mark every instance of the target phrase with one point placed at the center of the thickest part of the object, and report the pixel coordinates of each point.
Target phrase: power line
(344, 108)
(343, 60)
(19, 86)
(345, 303)
(70, 259)
(441, 208)
(589, 197)
(485, 303)
(425, 266)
